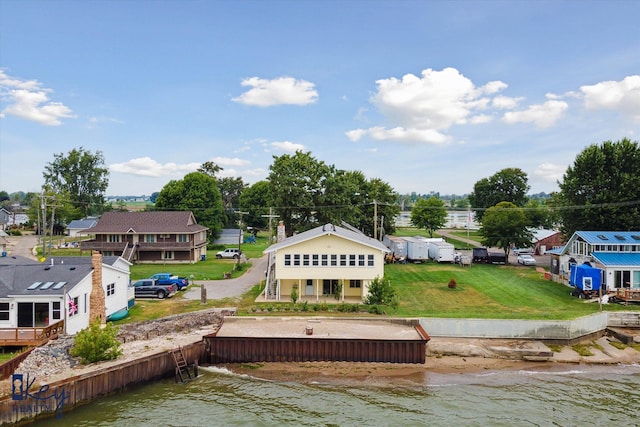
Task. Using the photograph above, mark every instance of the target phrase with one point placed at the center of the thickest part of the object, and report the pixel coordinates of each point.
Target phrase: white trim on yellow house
(315, 261)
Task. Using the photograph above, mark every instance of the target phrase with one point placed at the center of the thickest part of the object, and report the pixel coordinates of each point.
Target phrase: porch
(30, 337)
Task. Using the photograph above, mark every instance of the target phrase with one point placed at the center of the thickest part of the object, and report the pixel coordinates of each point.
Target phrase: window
(287, 260)
(352, 260)
(150, 238)
(296, 260)
(167, 255)
(4, 311)
(183, 238)
(305, 260)
(370, 262)
(325, 260)
(334, 260)
(315, 260)
(73, 307)
(343, 260)
(86, 305)
(55, 310)
(361, 260)
(113, 238)
(355, 283)
(111, 289)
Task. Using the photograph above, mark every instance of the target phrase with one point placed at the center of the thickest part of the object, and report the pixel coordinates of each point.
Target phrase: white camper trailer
(417, 249)
(441, 251)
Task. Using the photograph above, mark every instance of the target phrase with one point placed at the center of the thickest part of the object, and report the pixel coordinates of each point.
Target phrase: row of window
(584, 248)
(329, 260)
(150, 238)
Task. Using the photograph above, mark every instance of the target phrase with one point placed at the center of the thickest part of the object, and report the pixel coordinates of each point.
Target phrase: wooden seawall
(29, 401)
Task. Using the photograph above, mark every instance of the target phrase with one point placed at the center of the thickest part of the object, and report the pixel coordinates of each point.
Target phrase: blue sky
(425, 95)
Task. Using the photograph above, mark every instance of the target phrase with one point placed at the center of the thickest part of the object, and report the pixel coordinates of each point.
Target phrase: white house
(317, 261)
(617, 253)
(73, 289)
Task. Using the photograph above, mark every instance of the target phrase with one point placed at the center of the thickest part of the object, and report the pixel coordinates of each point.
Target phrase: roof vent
(602, 237)
(635, 237)
(328, 227)
(619, 237)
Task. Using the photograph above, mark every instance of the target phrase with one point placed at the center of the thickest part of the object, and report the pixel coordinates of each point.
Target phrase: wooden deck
(30, 337)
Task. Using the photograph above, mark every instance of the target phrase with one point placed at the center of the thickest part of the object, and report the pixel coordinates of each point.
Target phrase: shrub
(94, 344)
(294, 294)
(452, 284)
(305, 306)
(380, 292)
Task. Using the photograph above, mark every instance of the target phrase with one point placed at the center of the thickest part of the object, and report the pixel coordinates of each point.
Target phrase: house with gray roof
(73, 290)
(148, 237)
(326, 263)
(616, 253)
(77, 225)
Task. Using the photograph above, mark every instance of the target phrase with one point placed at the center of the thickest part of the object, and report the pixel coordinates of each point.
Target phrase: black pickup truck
(151, 288)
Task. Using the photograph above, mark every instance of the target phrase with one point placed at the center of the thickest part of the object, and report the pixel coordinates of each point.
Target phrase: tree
(230, 190)
(81, 177)
(94, 344)
(210, 168)
(505, 225)
(256, 200)
(601, 190)
(297, 184)
(196, 192)
(507, 185)
(381, 208)
(381, 293)
(429, 214)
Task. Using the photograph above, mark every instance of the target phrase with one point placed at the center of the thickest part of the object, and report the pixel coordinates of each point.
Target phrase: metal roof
(611, 259)
(610, 237)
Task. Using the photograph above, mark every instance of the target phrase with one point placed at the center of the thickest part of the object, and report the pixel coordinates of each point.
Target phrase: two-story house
(319, 262)
(148, 237)
(616, 253)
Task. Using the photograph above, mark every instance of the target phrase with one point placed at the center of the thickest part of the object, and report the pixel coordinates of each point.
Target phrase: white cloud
(146, 166)
(542, 115)
(283, 90)
(622, 96)
(258, 172)
(421, 108)
(549, 172)
(29, 100)
(288, 146)
(230, 161)
(505, 102)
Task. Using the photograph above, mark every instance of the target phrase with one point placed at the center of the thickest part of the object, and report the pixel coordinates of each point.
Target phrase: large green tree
(256, 200)
(297, 184)
(196, 192)
(505, 225)
(429, 214)
(601, 190)
(80, 178)
(507, 185)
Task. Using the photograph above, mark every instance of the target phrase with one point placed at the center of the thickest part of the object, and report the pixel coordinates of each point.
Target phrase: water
(565, 395)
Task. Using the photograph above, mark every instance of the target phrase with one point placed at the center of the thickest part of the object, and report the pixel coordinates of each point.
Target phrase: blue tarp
(585, 277)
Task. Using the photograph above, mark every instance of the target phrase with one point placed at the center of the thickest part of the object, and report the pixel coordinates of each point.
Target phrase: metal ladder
(181, 364)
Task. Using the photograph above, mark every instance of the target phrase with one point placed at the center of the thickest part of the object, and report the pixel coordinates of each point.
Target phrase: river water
(560, 395)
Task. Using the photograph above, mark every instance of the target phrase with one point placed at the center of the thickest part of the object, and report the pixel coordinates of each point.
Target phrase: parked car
(526, 259)
(151, 288)
(168, 279)
(229, 253)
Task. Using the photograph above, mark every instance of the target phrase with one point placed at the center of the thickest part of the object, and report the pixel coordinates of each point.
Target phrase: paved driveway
(231, 288)
(22, 245)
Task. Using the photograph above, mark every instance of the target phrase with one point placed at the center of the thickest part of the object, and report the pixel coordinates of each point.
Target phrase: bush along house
(149, 237)
(326, 263)
(69, 292)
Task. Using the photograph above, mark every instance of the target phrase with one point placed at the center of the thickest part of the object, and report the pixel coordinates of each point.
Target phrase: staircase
(271, 285)
(129, 252)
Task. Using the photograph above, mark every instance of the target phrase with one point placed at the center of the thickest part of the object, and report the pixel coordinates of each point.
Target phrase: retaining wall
(56, 398)
(564, 330)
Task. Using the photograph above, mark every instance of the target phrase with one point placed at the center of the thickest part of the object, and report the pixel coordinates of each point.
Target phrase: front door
(308, 289)
(329, 286)
(33, 315)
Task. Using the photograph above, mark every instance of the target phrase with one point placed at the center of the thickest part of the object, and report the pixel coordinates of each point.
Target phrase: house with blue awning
(616, 253)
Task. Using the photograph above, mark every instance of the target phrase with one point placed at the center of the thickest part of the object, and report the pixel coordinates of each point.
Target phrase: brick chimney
(97, 297)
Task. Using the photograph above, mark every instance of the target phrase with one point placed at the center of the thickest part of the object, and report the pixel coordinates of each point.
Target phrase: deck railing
(28, 337)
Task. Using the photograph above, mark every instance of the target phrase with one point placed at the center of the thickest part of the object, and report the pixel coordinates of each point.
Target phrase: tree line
(599, 191)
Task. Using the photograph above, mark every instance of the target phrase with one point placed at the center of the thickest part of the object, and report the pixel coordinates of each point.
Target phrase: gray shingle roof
(16, 279)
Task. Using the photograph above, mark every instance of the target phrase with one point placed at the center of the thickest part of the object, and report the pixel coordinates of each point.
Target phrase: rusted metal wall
(83, 388)
(244, 350)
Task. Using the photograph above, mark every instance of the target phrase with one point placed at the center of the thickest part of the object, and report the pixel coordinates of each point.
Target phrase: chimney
(97, 297)
(281, 232)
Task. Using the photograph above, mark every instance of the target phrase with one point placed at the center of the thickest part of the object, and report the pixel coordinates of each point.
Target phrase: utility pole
(240, 232)
(270, 216)
(375, 220)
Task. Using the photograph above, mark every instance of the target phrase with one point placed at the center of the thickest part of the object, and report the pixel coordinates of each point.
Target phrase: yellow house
(322, 262)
